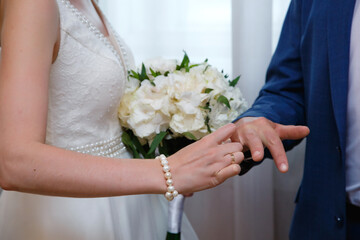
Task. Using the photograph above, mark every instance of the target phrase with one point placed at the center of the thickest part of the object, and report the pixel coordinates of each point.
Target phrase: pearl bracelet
(171, 192)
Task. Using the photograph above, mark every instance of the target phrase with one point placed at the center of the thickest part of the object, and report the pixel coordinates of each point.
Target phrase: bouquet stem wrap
(176, 209)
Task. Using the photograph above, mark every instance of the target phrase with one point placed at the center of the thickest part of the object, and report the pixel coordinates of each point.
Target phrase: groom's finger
(292, 132)
(253, 142)
(273, 142)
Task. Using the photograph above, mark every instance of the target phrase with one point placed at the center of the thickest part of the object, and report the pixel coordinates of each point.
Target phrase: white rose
(184, 83)
(193, 123)
(189, 102)
(146, 111)
(220, 114)
(148, 124)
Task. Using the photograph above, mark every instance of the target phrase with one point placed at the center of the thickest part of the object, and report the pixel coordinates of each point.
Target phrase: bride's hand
(207, 162)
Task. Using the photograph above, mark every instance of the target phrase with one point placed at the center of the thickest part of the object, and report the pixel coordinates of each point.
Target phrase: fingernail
(283, 167)
(257, 154)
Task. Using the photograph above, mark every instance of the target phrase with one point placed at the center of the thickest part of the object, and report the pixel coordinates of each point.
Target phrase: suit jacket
(306, 84)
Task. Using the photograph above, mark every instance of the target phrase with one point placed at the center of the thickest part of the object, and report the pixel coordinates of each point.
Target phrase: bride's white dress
(86, 84)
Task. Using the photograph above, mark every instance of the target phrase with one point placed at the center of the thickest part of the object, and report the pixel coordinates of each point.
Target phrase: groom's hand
(256, 133)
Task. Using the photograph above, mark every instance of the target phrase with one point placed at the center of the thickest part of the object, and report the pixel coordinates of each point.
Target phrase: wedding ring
(232, 158)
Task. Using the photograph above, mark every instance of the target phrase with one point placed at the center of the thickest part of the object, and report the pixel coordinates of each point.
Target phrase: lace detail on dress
(99, 34)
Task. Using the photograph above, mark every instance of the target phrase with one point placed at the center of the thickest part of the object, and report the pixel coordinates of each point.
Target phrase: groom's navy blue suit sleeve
(281, 99)
(307, 84)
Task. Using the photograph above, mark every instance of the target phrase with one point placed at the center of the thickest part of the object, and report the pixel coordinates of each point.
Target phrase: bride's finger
(225, 173)
(229, 148)
(227, 160)
(234, 158)
(222, 134)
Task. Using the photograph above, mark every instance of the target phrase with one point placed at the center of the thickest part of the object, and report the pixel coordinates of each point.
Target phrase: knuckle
(273, 140)
(215, 181)
(205, 140)
(279, 156)
(228, 159)
(236, 145)
(250, 133)
(262, 120)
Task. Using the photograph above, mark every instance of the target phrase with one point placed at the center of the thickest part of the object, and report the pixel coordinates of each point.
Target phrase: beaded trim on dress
(107, 148)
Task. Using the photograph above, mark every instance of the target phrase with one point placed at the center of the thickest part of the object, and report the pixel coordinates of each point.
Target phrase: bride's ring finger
(235, 157)
(232, 158)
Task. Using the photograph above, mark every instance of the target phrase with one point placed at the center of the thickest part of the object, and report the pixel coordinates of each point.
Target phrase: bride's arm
(27, 164)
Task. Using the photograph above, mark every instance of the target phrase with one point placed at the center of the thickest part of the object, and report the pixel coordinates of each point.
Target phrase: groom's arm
(280, 102)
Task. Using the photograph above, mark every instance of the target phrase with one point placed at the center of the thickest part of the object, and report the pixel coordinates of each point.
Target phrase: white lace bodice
(86, 83)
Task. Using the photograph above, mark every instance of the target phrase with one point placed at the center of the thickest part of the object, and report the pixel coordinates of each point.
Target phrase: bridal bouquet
(168, 104)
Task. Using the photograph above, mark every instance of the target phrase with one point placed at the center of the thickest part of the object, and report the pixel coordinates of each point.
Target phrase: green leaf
(194, 65)
(143, 76)
(189, 136)
(166, 73)
(207, 107)
(157, 140)
(206, 60)
(207, 120)
(134, 74)
(208, 90)
(163, 149)
(126, 139)
(155, 74)
(184, 64)
(137, 143)
(224, 100)
(132, 142)
(226, 75)
(234, 82)
(206, 68)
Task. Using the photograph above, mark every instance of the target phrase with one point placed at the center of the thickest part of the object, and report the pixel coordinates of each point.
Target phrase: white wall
(166, 28)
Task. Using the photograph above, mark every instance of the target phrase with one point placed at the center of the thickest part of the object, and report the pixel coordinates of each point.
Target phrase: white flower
(179, 101)
(189, 102)
(220, 114)
(145, 111)
(192, 123)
